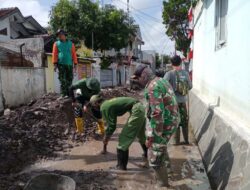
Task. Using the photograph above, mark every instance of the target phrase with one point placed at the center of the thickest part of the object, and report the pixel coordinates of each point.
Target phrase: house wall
(33, 50)
(220, 101)
(224, 73)
(20, 85)
(5, 24)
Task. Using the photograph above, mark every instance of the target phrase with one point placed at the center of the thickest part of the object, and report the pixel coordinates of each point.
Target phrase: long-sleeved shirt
(172, 78)
(162, 110)
(86, 93)
(113, 108)
(64, 53)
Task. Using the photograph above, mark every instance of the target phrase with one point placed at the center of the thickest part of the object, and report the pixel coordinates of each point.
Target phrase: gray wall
(225, 146)
(20, 85)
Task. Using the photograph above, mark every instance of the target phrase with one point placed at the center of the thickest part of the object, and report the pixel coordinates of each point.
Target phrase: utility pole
(128, 11)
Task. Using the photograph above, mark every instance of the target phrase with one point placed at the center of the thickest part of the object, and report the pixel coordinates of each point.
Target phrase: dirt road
(188, 171)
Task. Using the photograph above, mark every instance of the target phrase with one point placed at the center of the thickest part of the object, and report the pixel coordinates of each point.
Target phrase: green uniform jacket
(113, 108)
(162, 110)
(86, 93)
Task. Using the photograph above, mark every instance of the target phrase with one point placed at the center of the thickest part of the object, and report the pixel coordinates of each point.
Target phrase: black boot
(145, 150)
(185, 134)
(125, 161)
(122, 159)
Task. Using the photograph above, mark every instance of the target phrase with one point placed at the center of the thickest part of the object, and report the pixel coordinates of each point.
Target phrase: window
(220, 22)
(4, 32)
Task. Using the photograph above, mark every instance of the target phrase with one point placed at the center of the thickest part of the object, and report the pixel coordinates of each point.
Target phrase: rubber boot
(125, 161)
(161, 174)
(177, 136)
(79, 125)
(100, 127)
(122, 159)
(185, 134)
(145, 163)
(145, 150)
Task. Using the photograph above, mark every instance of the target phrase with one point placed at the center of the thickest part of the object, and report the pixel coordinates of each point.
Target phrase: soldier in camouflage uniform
(181, 83)
(163, 114)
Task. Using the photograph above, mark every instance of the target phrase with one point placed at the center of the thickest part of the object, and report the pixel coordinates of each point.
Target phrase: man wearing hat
(163, 115)
(64, 58)
(85, 89)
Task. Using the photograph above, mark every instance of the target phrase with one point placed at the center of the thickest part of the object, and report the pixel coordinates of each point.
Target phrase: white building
(148, 57)
(14, 25)
(220, 99)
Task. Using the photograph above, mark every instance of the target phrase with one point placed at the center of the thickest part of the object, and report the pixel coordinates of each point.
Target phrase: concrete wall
(33, 49)
(224, 72)
(20, 85)
(224, 146)
(220, 101)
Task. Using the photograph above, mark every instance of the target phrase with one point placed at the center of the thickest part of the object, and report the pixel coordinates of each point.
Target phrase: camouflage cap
(93, 84)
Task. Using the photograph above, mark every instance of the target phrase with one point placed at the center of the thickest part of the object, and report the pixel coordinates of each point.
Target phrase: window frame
(220, 42)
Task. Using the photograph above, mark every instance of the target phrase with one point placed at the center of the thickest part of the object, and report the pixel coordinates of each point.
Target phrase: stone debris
(118, 92)
(32, 131)
(39, 131)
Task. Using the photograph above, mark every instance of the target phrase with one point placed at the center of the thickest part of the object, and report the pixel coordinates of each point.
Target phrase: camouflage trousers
(183, 124)
(160, 162)
(158, 155)
(65, 78)
(134, 128)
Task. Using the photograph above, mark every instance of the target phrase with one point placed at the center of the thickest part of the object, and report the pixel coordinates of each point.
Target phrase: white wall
(32, 50)
(5, 24)
(20, 85)
(225, 72)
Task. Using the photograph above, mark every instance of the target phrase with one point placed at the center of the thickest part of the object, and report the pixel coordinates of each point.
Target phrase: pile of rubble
(40, 130)
(34, 131)
(118, 92)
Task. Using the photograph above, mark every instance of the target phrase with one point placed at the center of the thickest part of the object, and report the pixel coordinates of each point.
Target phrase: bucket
(51, 182)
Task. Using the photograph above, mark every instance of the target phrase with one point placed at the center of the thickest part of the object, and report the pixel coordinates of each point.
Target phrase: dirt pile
(118, 92)
(34, 131)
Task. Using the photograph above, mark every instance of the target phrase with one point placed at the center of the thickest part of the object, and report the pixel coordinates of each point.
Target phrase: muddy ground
(40, 130)
(37, 138)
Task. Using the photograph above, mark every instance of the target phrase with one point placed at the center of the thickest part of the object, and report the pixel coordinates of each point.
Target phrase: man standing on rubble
(85, 89)
(64, 59)
(181, 83)
(135, 126)
(162, 112)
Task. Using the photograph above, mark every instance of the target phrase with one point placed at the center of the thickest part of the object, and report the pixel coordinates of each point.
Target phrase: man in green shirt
(135, 126)
(64, 58)
(85, 89)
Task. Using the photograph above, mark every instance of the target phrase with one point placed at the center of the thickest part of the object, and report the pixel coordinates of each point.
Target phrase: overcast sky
(147, 13)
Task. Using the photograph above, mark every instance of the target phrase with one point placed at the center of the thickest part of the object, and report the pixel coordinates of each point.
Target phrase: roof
(4, 12)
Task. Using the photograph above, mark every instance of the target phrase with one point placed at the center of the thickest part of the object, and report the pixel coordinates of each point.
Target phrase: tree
(175, 18)
(83, 19)
(157, 60)
(65, 15)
